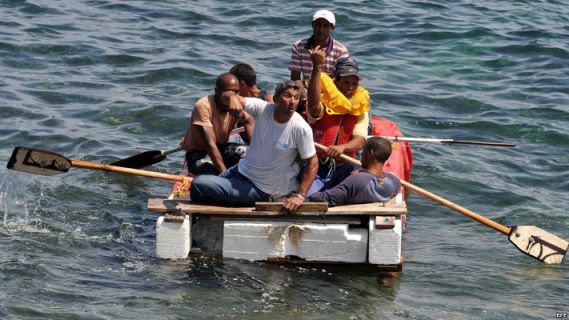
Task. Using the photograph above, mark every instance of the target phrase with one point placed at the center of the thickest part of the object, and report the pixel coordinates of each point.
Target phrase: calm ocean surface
(101, 80)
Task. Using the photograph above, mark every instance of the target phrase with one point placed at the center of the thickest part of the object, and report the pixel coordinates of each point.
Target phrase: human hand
(292, 203)
(234, 102)
(335, 151)
(317, 56)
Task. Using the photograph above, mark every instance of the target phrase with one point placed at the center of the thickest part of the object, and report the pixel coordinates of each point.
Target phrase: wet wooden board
(351, 220)
(305, 207)
(377, 209)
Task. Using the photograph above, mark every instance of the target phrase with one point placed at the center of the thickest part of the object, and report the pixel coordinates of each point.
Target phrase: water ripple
(100, 80)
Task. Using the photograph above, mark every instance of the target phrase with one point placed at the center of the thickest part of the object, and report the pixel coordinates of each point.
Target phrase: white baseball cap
(325, 14)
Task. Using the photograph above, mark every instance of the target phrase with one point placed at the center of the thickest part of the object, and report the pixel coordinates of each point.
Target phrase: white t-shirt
(270, 161)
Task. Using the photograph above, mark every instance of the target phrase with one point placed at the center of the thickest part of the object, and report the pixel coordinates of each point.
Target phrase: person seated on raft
(206, 141)
(370, 184)
(247, 77)
(269, 170)
(337, 110)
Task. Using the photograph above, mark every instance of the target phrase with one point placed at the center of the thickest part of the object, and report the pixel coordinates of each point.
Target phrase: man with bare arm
(270, 168)
(211, 122)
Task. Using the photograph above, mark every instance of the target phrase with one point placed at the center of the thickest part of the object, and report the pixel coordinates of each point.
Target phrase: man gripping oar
(531, 240)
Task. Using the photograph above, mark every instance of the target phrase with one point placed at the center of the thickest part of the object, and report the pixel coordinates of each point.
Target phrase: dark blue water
(101, 80)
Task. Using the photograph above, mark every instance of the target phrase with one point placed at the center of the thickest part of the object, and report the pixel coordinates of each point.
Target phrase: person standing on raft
(323, 24)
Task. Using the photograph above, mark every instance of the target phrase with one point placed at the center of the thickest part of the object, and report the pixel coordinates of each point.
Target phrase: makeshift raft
(365, 233)
(369, 234)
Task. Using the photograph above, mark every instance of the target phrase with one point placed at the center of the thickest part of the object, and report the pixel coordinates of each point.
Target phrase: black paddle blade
(35, 161)
(141, 160)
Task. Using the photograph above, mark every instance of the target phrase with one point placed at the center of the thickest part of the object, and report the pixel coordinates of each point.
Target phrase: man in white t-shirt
(270, 168)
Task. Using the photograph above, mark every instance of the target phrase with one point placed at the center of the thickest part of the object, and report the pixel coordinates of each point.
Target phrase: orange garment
(206, 114)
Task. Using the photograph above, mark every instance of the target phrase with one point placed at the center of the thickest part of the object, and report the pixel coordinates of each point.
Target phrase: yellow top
(336, 103)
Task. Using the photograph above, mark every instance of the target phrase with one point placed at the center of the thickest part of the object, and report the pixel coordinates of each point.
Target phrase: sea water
(100, 80)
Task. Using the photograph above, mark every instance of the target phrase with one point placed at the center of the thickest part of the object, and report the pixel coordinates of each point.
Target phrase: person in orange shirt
(206, 141)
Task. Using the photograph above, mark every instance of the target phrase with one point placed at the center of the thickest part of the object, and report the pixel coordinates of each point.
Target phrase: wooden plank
(168, 217)
(387, 222)
(375, 209)
(187, 207)
(305, 207)
(351, 220)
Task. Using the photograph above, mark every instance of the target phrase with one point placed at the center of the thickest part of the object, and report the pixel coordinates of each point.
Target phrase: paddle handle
(447, 141)
(136, 172)
(469, 213)
(485, 143)
(167, 152)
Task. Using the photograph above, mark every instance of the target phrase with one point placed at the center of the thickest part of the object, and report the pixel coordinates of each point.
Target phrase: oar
(531, 240)
(48, 163)
(144, 159)
(448, 141)
(151, 157)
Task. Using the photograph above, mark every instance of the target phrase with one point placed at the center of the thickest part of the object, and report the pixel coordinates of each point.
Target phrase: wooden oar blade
(141, 160)
(540, 244)
(37, 161)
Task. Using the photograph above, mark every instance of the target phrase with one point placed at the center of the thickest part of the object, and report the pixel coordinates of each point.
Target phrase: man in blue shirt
(371, 184)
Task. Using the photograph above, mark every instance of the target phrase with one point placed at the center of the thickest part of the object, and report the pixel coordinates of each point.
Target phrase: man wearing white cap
(323, 23)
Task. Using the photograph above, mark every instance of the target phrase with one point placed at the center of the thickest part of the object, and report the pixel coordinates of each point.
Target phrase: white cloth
(270, 162)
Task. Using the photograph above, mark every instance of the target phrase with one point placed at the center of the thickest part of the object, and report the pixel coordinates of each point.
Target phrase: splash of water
(11, 203)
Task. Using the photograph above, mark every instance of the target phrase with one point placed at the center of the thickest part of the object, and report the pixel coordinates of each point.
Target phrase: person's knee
(201, 187)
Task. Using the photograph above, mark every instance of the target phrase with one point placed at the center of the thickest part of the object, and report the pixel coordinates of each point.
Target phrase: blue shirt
(362, 187)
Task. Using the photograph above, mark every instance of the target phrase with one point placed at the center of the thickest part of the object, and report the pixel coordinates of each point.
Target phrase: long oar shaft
(448, 141)
(111, 168)
(471, 214)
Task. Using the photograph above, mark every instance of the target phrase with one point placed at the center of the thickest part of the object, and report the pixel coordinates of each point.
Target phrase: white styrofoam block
(258, 240)
(385, 244)
(399, 197)
(173, 239)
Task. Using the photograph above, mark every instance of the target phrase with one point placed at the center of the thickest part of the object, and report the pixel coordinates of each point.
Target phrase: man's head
(323, 23)
(287, 96)
(247, 79)
(347, 76)
(376, 149)
(303, 96)
(225, 85)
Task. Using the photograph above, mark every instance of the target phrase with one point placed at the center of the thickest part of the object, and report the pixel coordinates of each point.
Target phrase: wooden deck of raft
(389, 208)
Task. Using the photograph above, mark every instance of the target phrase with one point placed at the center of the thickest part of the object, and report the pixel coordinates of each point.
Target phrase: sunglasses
(282, 86)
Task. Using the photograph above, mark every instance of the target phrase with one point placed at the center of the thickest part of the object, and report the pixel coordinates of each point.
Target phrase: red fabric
(326, 130)
(400, 162)
(180, 189)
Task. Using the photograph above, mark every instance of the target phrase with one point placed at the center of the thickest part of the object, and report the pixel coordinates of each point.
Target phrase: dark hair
(379, 147)
(245, 73)
(283, 85)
